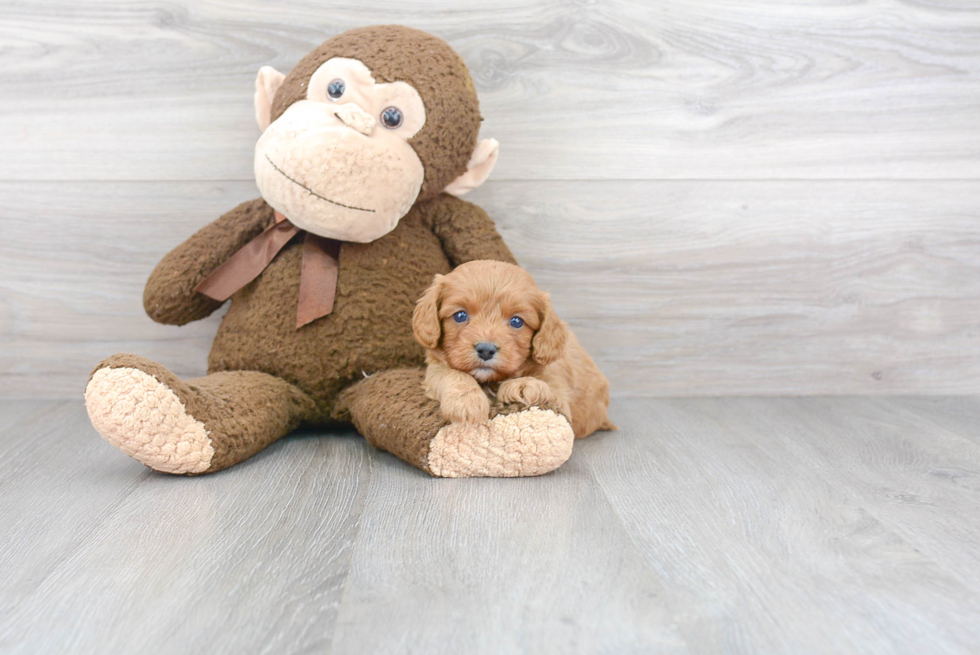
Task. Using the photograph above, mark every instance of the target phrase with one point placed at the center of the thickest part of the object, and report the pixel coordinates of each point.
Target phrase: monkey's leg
(392, 412)
(190, 427)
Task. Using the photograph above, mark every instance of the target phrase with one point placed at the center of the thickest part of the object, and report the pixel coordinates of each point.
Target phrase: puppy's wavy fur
(539, 363)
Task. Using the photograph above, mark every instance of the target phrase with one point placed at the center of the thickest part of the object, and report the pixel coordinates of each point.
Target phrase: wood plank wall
(723, 197)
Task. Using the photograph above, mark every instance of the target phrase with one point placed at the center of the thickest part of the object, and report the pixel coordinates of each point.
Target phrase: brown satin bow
(318, 277)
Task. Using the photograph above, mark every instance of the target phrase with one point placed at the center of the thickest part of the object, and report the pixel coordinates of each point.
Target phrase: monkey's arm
(466, 232)
(169, 296)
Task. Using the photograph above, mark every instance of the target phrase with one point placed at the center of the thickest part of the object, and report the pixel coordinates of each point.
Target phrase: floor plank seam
(87, 539)
(638, 552)
(372, 462)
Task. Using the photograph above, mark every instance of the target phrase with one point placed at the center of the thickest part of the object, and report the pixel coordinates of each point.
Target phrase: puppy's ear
(426, 325)
(548, 343)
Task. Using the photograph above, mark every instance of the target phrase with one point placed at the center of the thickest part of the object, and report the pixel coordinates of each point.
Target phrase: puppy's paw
(530, 392)
(471, 407)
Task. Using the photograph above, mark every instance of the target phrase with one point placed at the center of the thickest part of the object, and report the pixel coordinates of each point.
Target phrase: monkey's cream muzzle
(333, 171)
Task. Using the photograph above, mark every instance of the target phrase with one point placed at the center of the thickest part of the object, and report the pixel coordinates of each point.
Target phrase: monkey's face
(338, 163)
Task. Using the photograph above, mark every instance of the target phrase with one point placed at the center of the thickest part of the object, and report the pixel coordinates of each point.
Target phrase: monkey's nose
(356, 118)
(486, 351)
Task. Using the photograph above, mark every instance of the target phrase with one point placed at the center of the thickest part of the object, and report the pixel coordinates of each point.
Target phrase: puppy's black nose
(486, 351)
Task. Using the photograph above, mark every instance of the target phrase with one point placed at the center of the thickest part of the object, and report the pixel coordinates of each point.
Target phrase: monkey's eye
(336, 89)
(460, 316)
(391, 117)
(516, 322)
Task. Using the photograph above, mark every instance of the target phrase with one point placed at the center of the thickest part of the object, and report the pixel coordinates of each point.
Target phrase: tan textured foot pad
(531, 442)
(145, 419)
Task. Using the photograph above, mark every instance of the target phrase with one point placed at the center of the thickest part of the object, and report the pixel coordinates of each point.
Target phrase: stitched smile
(312, 192)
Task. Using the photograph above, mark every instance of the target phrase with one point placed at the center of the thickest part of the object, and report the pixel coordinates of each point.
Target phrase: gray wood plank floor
(737, 525)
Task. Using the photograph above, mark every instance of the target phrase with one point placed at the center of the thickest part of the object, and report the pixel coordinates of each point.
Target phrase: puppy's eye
(460, 317)
(336, 89)
(516, 322)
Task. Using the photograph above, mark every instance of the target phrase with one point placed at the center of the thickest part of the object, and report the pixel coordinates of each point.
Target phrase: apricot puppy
(489, 330)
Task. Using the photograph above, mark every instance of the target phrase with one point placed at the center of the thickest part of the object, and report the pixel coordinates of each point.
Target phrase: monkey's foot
(131, 405)
(525, 443)
(391, 410)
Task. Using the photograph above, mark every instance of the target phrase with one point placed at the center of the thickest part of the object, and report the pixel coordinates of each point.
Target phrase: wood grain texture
(46, 458)
(960, 415)
(111, 90)
(103, 555)
(677, 288)
(790, 512)
(738, 525)
(723, 197)
(532, 565)
(905, 464)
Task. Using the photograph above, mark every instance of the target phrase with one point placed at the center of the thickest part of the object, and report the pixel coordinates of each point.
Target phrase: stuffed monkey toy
(366, 145)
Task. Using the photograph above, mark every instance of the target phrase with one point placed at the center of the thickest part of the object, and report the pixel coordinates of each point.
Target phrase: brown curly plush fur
(370, 328)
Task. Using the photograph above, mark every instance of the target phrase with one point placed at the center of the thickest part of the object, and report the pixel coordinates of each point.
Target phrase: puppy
(489, 329)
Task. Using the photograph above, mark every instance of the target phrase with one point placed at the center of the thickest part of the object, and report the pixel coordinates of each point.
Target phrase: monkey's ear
(478, 170)
(267, 82)
(426, 326)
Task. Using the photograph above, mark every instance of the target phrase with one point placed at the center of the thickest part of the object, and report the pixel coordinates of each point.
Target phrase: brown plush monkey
(365, 146)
